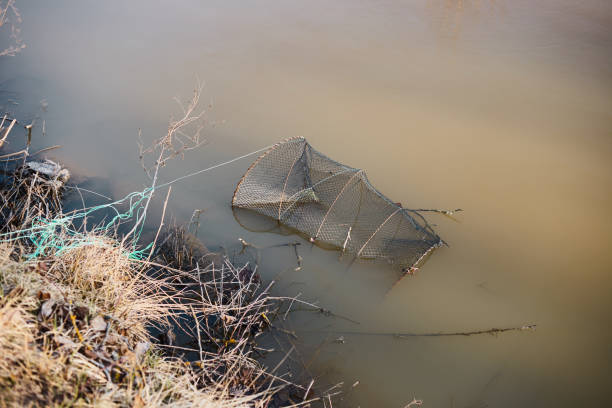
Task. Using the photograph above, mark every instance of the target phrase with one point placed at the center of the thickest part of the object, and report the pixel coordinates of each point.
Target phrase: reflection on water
(450, 16)
(511, 121)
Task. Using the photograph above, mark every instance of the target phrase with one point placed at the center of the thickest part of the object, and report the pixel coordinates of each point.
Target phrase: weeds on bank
(76, 319)
(73, 331)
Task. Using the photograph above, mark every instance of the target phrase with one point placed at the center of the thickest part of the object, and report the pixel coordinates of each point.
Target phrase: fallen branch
(434, 334)
(7, 131)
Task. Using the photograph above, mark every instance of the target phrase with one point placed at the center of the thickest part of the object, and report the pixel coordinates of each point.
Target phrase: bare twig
(161, 223)
(6, 131)
(492, 331)
(174, 144)
(10, 14)
(415, 402)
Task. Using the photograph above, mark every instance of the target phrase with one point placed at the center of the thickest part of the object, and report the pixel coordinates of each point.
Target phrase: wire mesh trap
(333, 205)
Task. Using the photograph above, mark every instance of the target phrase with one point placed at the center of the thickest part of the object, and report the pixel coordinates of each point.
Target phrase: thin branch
(492, 331)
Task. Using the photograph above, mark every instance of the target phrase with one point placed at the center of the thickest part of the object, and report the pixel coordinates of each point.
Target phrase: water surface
(502, 108)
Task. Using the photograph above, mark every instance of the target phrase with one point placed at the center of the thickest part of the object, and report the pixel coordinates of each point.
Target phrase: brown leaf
(112, 339)
(90, 353)
(98, 323)
(46, 309)
(81, 312)
(123, 348)
(65, 342)
(127, 357)
(43, 295)
(227, 319)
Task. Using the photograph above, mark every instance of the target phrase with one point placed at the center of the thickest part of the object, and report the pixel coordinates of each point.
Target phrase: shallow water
(502, 108)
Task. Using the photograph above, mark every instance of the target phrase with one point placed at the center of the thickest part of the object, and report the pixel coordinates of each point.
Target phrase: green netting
(54, 236)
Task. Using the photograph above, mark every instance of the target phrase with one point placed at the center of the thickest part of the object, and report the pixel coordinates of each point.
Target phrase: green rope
(57, 235)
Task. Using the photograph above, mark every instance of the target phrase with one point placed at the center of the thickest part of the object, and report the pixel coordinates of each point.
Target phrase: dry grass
(77, 312)
(73, 332)
(77, 323)
(229, 308)
(26, 195)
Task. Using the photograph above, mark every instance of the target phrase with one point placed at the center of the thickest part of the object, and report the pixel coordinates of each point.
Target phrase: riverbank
(89, 317)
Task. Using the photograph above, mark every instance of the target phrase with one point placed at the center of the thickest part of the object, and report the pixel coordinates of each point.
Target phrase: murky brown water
(502, 108)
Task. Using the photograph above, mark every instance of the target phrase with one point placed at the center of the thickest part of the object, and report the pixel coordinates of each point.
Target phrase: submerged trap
(333, 205)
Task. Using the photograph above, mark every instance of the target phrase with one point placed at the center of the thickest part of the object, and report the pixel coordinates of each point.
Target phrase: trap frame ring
(349, 169)
(304, 151)
(256, 162)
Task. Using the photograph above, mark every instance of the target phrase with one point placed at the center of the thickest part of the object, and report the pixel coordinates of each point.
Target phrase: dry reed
(10, 20)
(75, 328)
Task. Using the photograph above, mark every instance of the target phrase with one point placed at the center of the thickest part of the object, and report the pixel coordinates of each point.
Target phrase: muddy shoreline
(104, 310)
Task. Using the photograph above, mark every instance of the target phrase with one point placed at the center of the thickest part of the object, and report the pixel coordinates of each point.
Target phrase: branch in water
(445, 212)
(436, 334)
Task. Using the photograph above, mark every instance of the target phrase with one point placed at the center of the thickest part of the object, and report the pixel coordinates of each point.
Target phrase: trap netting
(333, 204)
